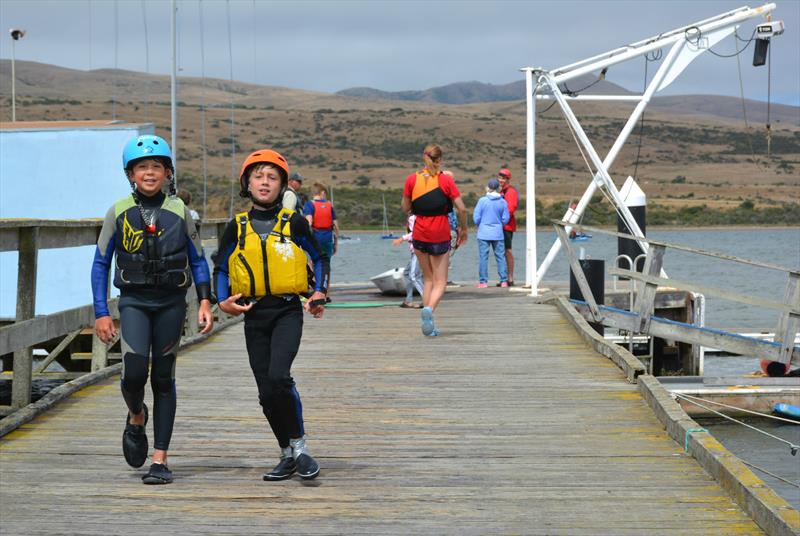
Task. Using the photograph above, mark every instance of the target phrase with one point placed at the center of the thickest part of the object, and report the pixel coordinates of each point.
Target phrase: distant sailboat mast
(174, 88)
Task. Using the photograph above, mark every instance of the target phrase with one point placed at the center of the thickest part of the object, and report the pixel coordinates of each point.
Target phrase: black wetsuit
(274, 326)
(153, 308)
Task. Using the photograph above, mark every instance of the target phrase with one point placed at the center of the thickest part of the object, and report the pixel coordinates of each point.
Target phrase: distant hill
(477, 92)
(474, 92)
(692, 151)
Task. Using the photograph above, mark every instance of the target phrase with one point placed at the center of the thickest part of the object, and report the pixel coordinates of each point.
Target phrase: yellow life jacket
(274, 265)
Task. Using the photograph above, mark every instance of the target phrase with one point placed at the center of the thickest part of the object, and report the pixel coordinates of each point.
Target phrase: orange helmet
(263, 156)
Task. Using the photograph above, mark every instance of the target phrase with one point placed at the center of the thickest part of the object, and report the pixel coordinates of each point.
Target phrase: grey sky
(328, 46)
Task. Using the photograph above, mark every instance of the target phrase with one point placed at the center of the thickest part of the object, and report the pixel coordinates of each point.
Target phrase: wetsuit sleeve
(226, 246)
(102, 264)
(197, 260)
(303, 237)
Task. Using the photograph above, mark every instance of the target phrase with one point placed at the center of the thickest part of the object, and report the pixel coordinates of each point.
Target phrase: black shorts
(432, 248)
(507, 237)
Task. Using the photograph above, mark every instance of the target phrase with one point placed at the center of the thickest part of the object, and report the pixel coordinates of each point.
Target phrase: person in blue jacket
(158, 255)
(491, 213)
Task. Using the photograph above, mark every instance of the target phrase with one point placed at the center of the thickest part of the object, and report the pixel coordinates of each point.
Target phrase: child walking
(158, 253)
(261, 271)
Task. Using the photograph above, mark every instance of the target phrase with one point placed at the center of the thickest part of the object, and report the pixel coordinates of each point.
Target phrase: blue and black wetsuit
(274, 326)
(153, 270)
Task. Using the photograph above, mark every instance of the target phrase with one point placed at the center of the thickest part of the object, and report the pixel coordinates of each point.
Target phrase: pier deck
(506, 423)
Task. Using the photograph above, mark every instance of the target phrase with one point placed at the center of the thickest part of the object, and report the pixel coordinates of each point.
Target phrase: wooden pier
(507, 423)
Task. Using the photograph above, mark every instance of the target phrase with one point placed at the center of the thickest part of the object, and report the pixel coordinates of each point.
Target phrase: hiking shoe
(504, 284)
(134, 441)
(285, 468)
(481, 285)
(427, 321)
(158, 474)
(434, 333)
(307, 467)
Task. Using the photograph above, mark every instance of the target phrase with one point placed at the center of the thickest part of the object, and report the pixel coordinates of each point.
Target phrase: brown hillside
(685, 159)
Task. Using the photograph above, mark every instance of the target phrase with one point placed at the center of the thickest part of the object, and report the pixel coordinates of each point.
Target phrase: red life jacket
(323, 215)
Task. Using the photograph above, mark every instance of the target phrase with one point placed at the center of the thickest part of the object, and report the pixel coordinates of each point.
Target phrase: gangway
(640, 318)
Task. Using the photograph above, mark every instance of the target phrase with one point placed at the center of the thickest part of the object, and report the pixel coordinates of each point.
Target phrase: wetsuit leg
(168, 325)
(135, 333)
(273, 338)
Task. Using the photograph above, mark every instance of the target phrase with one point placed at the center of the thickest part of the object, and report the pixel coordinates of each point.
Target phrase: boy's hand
(232, 308)
(204, 316)
(318, 298)
(105, 329)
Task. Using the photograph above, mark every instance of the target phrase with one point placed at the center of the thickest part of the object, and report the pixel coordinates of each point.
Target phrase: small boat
(580, 237)
(391, 281)
(787, 410)
(343, 238)
(386, 235)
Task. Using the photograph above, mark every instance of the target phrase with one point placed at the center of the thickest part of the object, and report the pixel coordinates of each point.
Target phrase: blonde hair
(430, 152)
(320, 188)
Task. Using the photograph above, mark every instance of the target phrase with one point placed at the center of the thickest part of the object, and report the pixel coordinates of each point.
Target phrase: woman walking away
(411, 273)
(491, 213)
(261, 272)
(430, 194)
(158, 253)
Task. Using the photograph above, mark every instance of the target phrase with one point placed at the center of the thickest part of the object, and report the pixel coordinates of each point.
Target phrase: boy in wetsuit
(158, 253)
(260, 271)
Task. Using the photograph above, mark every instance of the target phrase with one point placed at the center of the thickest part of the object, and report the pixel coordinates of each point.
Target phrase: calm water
(367, 255)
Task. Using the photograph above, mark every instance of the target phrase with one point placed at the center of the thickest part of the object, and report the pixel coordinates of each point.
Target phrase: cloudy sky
(389, 45)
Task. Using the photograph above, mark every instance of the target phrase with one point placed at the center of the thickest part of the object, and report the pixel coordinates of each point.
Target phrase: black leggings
(151, 327)
(272, 331)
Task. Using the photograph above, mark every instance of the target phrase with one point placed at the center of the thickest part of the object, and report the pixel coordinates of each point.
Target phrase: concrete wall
(59, 173)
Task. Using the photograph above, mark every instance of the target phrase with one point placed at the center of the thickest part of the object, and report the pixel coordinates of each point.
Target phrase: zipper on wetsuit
(250, 274)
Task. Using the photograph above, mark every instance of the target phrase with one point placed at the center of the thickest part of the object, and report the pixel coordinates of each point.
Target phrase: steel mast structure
(685, 44)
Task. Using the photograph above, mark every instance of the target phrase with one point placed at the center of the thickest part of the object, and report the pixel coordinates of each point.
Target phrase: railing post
(26, 309)
(192, 308)
(788, 323)
(645, 299)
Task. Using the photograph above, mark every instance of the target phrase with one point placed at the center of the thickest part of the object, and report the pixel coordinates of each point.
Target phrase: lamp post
(16, 35)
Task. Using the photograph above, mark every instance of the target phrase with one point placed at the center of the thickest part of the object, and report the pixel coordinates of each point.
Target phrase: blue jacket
(491, 213)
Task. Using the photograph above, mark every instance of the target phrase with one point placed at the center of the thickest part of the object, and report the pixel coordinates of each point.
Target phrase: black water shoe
(285, 468)
(307, 467)
(158, 474)
(134, 441)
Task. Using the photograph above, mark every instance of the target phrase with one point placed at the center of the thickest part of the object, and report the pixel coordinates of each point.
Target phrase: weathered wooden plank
(52, 236)
(786, 307)
(506, 423)
(667, 329)
(43, 328)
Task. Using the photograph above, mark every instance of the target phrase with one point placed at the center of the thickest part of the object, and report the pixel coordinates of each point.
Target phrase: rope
(767, 415)
(203, 110)
(773, 475)
(794, 448)
(756, 160)
(769, 101)
(686, 437)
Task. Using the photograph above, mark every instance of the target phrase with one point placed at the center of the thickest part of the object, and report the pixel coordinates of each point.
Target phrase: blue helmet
(146, 146)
